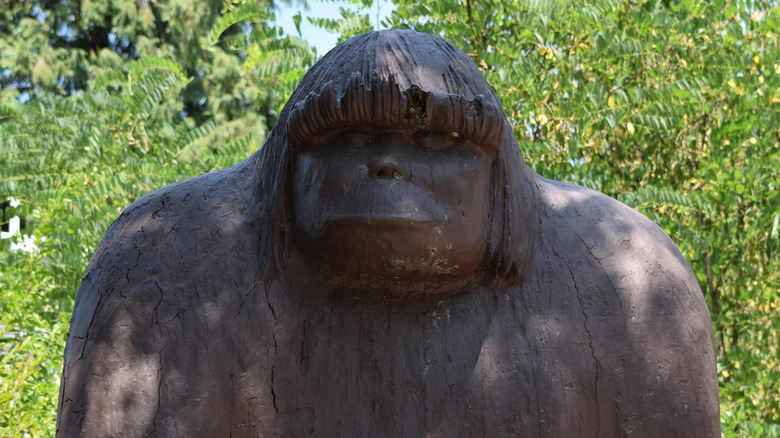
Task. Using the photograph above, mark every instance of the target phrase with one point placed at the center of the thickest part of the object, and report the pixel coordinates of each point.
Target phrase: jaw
(392, 286)
(390, 258)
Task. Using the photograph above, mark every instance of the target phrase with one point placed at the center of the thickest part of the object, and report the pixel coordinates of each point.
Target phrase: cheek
(318, 184)
(306, 174)
(464, 186)
(327, 175)
(308, 179)
(315, 178)
(308, 182)
(473, 207)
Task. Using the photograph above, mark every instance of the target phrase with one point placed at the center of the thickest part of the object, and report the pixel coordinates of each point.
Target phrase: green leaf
(253, 12)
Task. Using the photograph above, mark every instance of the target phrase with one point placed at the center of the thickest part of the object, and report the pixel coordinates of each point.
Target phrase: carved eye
(436, 141)
(354, 138)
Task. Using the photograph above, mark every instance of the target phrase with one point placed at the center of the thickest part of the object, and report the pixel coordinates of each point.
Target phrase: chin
(390, 258)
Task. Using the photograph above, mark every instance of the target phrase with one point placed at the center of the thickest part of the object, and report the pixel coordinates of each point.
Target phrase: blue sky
(319, 38)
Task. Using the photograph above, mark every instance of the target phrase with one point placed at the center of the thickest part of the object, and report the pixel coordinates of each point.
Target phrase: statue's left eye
(436, 141)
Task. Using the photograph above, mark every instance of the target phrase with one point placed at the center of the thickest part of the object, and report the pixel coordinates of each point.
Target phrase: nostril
(387, 171)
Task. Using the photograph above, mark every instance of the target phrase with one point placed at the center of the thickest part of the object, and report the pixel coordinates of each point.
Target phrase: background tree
(60, 46)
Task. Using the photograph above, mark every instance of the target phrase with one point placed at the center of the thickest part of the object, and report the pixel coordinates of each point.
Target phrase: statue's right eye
(353, 138)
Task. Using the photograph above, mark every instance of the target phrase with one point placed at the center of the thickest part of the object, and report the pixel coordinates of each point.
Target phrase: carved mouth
(378, 222)
(388, 203)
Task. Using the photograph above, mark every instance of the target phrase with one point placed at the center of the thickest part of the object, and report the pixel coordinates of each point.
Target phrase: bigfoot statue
(387, 265)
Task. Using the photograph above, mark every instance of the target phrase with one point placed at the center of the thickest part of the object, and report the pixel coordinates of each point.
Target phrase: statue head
(398, 172)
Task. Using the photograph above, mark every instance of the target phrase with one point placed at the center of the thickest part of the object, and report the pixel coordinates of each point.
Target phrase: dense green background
(671, 107)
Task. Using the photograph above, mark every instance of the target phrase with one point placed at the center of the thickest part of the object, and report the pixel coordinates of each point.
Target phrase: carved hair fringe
(382, 104)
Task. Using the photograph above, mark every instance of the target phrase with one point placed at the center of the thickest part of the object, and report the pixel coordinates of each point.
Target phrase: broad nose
(387, 168)
(390, 160)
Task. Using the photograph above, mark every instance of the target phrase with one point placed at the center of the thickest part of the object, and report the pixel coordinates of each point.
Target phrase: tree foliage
(672, 107)
(58, 47)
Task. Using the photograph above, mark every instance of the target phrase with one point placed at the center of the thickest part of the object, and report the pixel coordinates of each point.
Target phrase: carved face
(395, 154)
(392, 210)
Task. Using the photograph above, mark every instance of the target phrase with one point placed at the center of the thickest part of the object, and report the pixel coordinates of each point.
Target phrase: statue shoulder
(171, 236)
(610, 231)
(180, 218)
(620, 260)
(639, 304)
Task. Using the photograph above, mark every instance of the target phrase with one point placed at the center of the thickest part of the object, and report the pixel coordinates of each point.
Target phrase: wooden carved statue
(386, 265)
